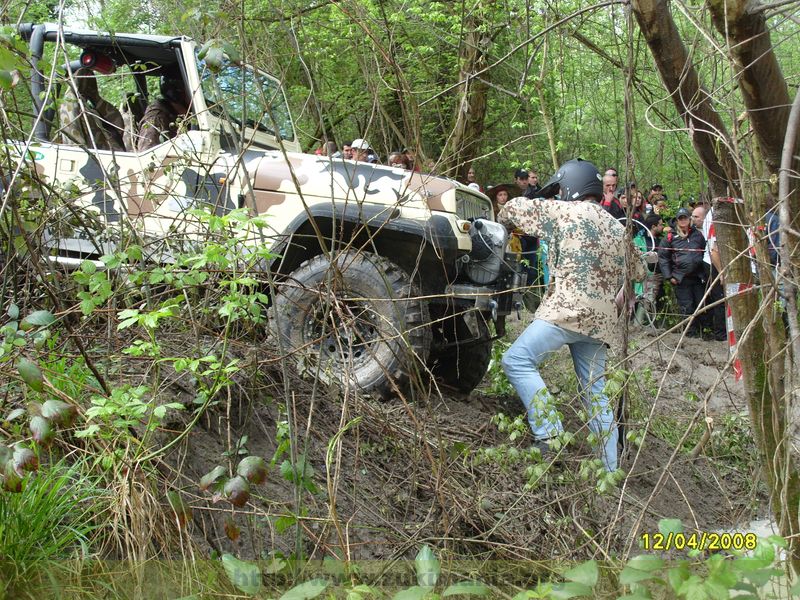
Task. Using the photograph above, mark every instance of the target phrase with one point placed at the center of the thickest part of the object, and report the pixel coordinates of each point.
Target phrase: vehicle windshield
(247, 98)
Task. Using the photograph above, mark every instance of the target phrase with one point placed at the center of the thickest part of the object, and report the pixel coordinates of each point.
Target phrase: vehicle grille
(472, 207)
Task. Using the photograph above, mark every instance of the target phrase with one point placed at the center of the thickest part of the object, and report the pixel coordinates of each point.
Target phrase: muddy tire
(464, 365)
(357, 320)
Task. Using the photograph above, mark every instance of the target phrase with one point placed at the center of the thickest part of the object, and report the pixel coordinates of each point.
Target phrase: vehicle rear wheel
(464, 364)
(357, 319)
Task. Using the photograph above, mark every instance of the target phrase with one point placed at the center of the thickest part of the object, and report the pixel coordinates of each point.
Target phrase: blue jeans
(521, 365)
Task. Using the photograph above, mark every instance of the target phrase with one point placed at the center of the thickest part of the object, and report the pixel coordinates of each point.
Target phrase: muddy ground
(410, 471)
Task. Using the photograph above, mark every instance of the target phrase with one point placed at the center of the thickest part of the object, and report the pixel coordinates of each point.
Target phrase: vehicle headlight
(485, 260)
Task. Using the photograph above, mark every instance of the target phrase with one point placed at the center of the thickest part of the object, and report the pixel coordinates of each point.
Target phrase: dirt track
(407, 472)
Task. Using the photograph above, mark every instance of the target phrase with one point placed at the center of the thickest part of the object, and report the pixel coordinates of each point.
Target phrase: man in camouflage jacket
(588, 253)
(87, 118)
(160, 120)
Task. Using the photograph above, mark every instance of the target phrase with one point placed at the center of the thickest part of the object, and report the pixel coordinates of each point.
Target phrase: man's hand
(87, 84)
(673, 281)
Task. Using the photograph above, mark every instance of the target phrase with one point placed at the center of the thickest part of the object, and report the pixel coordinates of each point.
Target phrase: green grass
(44, 525)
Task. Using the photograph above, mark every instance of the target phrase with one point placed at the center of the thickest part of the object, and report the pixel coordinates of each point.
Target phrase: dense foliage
(389, 71)
(109, 369)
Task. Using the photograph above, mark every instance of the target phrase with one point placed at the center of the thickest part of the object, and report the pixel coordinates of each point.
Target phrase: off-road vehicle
(419, 265)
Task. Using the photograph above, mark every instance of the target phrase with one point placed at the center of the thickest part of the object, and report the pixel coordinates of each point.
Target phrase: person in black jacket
(681, 261)
(530, 245)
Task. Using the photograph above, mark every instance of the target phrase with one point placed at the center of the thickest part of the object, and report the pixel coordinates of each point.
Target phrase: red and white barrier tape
(731, 289)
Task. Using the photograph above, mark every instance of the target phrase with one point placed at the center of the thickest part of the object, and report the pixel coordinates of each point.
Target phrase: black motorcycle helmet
(574, 180)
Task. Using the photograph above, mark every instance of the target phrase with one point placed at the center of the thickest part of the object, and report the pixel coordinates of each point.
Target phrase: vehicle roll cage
(161, 49)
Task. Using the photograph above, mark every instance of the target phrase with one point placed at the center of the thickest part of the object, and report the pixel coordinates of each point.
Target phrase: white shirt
(710, 235)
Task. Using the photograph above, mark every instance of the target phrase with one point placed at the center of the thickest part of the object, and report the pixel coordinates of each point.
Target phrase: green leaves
(30, 374)
(218, 54)
(640, 568)
(96, 286)
(428, 571)
(306, 591)
(670, 526)
(24, 460)
(413, 593)
(148, 320)
(12, 51)
(237, 491)
(586, 574)
(160, 411)
(212, 478)
(427, 567)
(245, 576)
(41, 430)
(301, 472)
(581, 581)
(59, 412)
(125, 408)
(13, 466)
(181, 510)
(253, 468)
(40, 318)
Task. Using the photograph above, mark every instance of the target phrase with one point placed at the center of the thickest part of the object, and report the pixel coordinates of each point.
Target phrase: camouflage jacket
(158, 125)
(99, 127)
(586, 259)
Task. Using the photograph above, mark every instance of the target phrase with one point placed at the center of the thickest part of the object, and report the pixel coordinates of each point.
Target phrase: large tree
(765, 94)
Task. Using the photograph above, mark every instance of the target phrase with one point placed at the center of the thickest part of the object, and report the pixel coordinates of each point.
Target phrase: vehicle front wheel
(356, 319)
(465, 359)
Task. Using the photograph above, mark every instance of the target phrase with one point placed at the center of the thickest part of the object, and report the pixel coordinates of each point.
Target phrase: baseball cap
(521, 174)
(682, 212)
(359, 144)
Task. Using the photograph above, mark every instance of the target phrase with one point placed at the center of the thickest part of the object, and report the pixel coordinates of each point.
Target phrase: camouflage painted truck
(420, 269)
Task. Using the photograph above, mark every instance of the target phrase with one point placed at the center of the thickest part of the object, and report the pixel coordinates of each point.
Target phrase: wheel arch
(427, 250)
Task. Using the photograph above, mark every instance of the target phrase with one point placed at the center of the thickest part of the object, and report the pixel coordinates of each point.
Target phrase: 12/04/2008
(705, 540)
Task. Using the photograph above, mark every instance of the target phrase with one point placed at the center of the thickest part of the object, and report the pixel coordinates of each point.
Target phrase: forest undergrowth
(156, 443)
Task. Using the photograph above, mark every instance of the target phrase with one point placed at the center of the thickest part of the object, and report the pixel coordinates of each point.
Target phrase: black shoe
(544, 448)
(548, 453)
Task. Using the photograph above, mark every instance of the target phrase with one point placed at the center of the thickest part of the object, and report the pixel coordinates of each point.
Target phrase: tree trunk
(544, 108)
(766, 97)
(761, 81)
(463, 144)
(549, 127)
(763, 376)
(706, 129)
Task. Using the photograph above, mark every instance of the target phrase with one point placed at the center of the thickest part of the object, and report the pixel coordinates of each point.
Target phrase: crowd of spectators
(360, 150)
(682, 242)
(684, 269)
